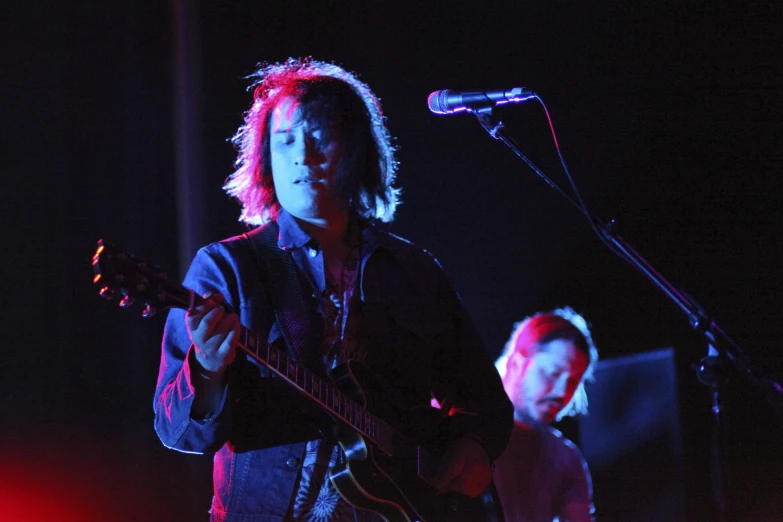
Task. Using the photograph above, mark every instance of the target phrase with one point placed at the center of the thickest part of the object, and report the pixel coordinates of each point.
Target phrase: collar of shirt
(306, 251)
(292, 236)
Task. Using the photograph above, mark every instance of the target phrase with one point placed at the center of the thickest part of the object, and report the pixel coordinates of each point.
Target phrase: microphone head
(437, 101)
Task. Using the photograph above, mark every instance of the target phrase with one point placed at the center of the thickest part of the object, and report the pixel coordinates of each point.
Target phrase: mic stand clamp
(485, 118)
(712, 372)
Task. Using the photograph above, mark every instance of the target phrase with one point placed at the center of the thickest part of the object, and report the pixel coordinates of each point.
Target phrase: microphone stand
(720, 347)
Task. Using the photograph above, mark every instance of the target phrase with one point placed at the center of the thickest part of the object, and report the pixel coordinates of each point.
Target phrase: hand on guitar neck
(213, 332)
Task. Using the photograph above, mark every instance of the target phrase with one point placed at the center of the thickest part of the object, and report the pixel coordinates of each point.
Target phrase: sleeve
(472, 388)
(577, 488)
(174, 393)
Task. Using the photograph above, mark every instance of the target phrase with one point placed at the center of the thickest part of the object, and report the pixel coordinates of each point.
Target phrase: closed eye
(283, 139)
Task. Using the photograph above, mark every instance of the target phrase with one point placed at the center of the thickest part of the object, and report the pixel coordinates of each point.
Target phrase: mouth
(308, 180)
(553, 404)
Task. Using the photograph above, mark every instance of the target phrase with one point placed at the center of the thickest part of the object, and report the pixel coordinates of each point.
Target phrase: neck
(527, 419)
(329, 232)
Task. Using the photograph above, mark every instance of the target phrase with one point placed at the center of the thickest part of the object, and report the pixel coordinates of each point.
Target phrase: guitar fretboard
(323, 393)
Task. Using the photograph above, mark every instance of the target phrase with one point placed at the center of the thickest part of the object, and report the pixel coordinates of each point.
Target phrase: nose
(310, 152)
(560, 387)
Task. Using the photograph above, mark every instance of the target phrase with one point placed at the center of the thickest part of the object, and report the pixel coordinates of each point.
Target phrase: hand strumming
(464, 468)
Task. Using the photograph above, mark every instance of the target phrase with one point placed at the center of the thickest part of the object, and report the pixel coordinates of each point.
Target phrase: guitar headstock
(121, 275)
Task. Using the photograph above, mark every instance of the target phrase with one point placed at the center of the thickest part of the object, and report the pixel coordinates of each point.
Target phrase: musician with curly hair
(309, 367)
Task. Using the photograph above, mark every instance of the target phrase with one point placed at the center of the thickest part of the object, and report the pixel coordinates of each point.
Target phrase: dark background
(668, 115)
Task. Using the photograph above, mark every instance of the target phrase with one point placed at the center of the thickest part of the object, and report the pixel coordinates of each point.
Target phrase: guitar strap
(300, 323)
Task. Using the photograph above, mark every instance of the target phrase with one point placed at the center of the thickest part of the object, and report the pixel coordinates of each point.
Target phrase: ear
(515, 364)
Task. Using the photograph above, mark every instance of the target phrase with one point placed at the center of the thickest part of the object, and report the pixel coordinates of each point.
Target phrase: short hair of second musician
(331, 96)
(562, 340)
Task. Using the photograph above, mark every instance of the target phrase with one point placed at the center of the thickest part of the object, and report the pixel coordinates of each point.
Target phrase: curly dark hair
(336, 99)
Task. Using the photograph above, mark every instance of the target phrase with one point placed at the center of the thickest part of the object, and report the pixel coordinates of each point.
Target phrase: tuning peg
(149, 311)
(106, 292)
(126, 301)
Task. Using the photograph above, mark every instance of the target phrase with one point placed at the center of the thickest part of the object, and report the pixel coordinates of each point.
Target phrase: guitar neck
(116, 271)
(321, 392)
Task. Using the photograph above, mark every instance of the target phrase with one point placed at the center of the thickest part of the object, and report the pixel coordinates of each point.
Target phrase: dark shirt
(422, 345)
(539, 473)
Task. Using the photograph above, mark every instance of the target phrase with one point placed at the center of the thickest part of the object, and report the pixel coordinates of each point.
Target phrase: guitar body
(366, 485)
(394, 486)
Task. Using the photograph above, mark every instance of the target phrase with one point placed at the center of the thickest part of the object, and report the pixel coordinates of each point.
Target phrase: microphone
(448, 101)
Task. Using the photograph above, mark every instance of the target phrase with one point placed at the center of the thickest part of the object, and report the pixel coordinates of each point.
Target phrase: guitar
(387, 469)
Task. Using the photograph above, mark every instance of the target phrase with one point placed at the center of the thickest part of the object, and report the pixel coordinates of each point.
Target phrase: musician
(541, 475)
(315, 176)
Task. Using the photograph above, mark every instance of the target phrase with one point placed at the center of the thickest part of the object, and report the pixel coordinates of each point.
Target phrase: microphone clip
(484, 116)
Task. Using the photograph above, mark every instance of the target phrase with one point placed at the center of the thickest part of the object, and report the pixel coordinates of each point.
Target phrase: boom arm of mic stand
(697, 317)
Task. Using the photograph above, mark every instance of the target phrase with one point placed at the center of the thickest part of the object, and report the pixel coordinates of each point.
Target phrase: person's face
(304, 165)
(542, 384)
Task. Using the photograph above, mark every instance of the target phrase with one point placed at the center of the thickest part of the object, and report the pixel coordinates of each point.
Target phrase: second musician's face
(542, 384)
(304, 164)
